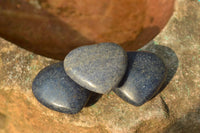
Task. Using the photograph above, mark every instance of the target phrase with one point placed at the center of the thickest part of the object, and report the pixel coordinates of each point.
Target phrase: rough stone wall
(175, 109)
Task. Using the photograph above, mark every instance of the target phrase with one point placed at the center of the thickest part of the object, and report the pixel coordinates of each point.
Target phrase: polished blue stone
(98, 67)
(144, 77)
(55, 90)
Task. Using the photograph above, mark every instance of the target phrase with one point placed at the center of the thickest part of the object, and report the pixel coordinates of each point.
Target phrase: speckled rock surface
(55, 90)
(98, 67)
(145, 74)
(176, 109)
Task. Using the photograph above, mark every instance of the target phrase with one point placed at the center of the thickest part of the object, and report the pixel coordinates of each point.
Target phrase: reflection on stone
(144, 77)
(54, 89)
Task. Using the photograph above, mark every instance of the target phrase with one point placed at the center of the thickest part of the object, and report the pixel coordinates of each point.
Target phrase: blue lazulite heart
(55, 90)
(98, 67)
(145, 75)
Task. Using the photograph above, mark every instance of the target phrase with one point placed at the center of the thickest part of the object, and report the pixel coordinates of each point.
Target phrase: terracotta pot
(54, 27)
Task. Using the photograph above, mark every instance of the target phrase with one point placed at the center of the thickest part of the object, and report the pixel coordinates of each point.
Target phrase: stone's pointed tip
(55, 90)
(144, 77)
(99, 67)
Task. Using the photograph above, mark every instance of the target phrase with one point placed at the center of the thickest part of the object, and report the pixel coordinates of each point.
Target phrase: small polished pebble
(145, 75)
(55, 90)
(98, 67)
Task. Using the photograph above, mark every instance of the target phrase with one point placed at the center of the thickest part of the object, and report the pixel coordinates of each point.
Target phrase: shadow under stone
(93, 99)
(2, 121)
(168, 56)
(189, 123)
(143, 38)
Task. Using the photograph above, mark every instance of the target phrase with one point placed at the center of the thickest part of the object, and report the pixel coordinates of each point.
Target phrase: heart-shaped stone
(55, 90)
(144, 76)
(98, 67)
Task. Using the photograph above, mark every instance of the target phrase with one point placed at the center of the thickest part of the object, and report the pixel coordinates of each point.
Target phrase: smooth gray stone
(55, 90)
(144, 77)
(98, 67)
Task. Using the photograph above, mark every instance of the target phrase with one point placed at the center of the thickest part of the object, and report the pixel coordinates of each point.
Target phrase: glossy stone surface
(55, 90)
(98, 67)
(145, 75)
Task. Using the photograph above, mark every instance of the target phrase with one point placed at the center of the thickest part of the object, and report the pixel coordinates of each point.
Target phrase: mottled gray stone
(144, 77)
(98, 67)
(55, 90)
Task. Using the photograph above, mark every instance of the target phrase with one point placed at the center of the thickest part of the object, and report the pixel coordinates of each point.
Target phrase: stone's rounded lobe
(145, 74)
(55, 90)
(98, 67)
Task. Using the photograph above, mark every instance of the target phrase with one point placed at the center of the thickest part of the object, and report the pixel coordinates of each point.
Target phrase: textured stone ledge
(175, 109)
